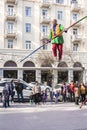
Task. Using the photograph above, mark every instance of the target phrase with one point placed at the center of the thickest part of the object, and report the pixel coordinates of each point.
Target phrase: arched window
(62, 64)
(77, 64)
(28, 64)
(10, 64)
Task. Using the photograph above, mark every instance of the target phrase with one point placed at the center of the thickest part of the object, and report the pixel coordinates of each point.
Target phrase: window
(28, 27)
(60, 15)
(75, 47)
(59, 1)
(28, 11)
(10, 27)
(74, 16)
(28, 45)
(45, 1)
(75, 31)
(10, 44)
(44, 13)
(10, 10)
(74, 1)
(44, 29)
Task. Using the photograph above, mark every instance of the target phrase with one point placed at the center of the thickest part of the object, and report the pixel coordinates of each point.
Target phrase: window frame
(10, 43)
(28, 45)
(75, 47)
(28, 12)
(28, 27)
(60, 15)
(75, 17)
(60, 1)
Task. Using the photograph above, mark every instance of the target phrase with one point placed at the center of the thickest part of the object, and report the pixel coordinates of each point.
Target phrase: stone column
(1, 73)
(20, 74)
(55, 77)
(70, 75)
(38, 76)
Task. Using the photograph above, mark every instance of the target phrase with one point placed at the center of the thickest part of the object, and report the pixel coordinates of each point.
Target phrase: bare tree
(45, 57)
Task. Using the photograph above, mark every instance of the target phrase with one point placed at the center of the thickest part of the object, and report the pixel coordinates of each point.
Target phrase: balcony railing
(44, 35)
(76, 7)
(45, 3)
(77, 38)
(11, 16)
(45, 19)
(11, 1)
(10, 34)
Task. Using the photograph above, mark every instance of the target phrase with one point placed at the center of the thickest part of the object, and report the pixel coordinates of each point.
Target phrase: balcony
(11, 1)
(10, 34)
(44, 35)
(45, 4)
(75, 20)
(45, 20)
(77, 38)
(76, 7)
(11, 16)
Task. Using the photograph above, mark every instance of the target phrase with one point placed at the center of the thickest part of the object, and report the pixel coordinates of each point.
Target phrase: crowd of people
(9, 92)
(73, 92)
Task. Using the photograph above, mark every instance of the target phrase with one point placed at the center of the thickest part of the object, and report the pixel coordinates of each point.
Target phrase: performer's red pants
(54, 49)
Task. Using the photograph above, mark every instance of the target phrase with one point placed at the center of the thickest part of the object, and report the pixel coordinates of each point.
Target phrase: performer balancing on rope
(57, 40)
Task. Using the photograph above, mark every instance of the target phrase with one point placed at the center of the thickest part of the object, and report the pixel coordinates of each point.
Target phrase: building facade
(23, 25)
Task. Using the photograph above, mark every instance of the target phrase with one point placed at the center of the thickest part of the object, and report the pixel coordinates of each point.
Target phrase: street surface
(62, 116)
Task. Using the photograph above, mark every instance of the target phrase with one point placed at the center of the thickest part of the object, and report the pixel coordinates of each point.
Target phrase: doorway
(78, 76)
(29, 75)
(62, 76)
(46, 76)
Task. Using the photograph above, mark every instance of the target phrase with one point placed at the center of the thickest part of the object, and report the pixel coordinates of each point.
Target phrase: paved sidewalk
(61, 116)
(27, 107)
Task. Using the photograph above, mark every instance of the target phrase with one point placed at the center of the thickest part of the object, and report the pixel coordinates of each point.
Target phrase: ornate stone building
(24, 23)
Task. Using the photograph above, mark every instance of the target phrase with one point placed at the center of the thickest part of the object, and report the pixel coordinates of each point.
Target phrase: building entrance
(46, 76)
(62, 76)
(78, 76)
(29, 75)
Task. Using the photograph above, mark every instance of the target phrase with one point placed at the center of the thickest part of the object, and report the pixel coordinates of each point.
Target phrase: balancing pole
(25, 57)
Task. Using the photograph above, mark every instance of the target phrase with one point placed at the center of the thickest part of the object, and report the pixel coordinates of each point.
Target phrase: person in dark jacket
(12, 92)
(19, 89)
(5, 96)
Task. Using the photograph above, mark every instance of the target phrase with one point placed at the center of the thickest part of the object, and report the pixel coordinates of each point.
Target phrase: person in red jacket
(71, 88)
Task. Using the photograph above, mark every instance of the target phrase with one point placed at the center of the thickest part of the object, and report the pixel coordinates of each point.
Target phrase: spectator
(71, 91)
(37, 93)
(5, 96)
(56, 96)
(64, 91)
(19, 89)
(83, 92)
(12, 92)
(76, 90)
(44, 96)
(51, 95)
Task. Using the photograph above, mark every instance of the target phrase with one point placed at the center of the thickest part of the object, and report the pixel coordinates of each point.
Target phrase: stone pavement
(61, 116)
(32, 108)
